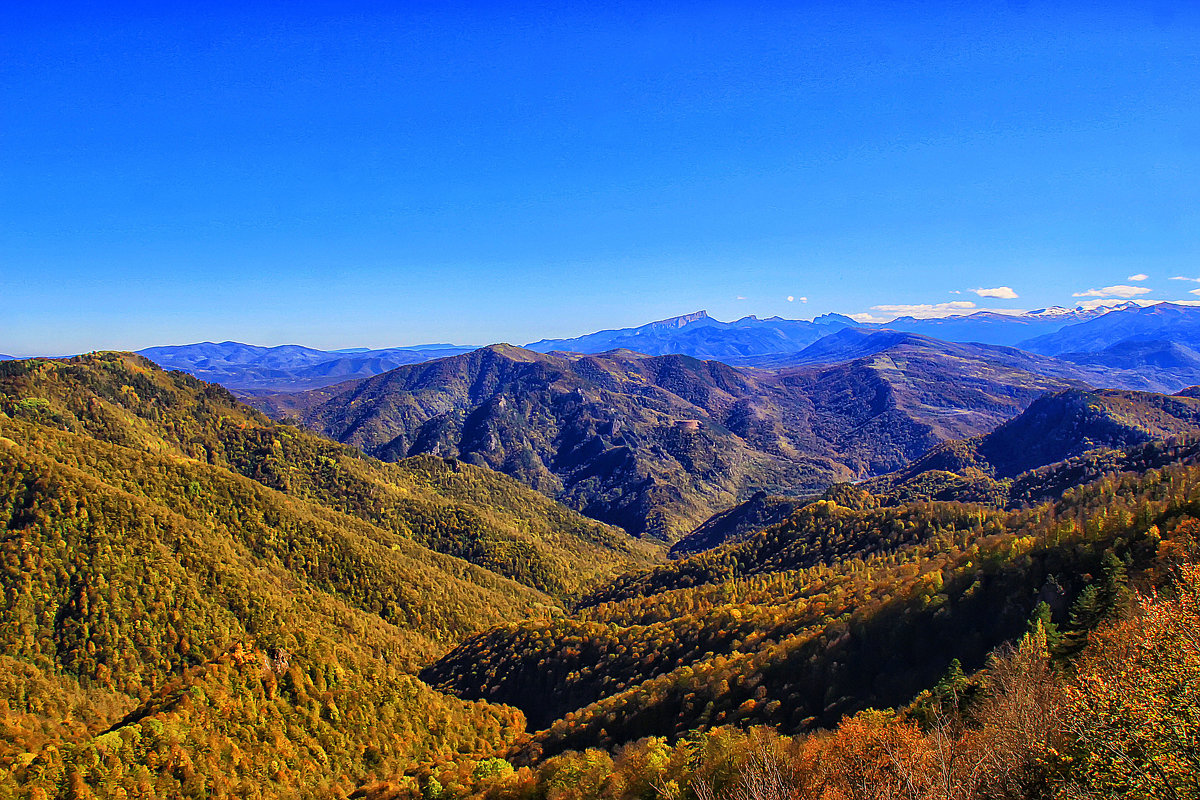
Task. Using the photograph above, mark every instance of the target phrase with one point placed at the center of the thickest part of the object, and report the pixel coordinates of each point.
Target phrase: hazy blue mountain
(250, 368)
(857, 345)
(989, 327)
(700, 336)
(7, 358)
(1155, 365)
(844, 345)
(768, 343)
(747, 340)
(1164, 321)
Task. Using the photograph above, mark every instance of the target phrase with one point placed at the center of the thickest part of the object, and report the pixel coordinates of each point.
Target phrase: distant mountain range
(656, 444)
(1164, 321)
(249, 368)
(767, 343)
(1156, 365)
(989, 327)
(701, 336)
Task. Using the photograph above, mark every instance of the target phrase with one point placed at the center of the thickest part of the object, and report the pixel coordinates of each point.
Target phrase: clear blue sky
(350, 174)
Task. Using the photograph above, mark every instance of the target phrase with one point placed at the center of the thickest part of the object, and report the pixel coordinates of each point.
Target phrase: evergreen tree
(1042, 616)
(1115, 594)
(1086, 613)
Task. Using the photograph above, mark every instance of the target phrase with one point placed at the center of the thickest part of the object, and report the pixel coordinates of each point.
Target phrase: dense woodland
(200, 602)
(835, 610)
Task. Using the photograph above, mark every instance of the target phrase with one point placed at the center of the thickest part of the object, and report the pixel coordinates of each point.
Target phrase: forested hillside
(1060, 441)
(838, 609)
(198, 602)
(448, 506)
(737, 523)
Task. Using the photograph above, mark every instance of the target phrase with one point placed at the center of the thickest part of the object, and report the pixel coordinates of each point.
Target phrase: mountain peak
(680, 321)
(511, 352)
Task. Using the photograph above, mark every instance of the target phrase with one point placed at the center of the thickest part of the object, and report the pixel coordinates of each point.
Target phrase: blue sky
(356, 174)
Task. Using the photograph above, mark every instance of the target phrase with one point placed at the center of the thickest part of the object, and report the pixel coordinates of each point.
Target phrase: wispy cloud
(792, 299)
(999, 293)
(932, 309)
(1141, 276)
(890, 311)
(1181, 278)
(1120, 290)
(740, 297)
(922, 311)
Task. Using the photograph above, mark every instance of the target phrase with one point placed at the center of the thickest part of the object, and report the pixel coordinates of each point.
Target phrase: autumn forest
(200, 601)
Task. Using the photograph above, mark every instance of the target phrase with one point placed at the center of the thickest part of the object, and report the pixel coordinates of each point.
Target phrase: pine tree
(1086, 613)
(1042, 615)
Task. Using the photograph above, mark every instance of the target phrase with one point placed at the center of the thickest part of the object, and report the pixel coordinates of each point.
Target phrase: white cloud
(1181, 278)
(791, 299)
(803, 299)
(924, 310)
(1120, 290)
(739, 297)
(955, 291)
(889, 312)
(1141, 276)
(1194, 291)
(999, 293)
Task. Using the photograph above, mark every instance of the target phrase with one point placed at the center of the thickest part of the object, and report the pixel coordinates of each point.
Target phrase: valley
(655, 445)
(468, 584)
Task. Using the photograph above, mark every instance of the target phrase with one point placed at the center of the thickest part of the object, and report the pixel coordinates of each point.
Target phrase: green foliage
(492, 768)
(1041, 620)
